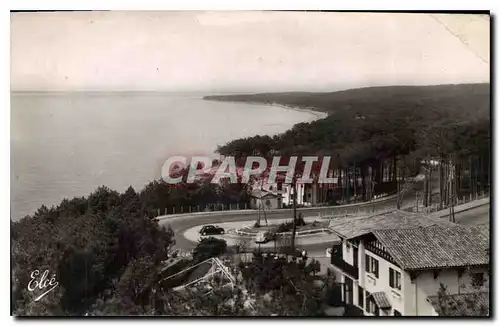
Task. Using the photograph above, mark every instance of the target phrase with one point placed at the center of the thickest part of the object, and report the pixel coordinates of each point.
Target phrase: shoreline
(318, 114)
(20, 212)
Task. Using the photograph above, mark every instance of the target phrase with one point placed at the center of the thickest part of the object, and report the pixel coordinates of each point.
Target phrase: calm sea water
(67, 144)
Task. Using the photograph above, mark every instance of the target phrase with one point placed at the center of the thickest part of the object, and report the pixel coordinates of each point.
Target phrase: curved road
(180, 224)
(475, 216)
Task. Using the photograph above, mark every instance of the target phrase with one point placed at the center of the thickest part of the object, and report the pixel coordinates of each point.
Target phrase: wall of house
(347, 252)
(373, 284)
(310, 192)
(336, 272)
(274, 202)
(286, 191)
(411, 300)
(427, 284)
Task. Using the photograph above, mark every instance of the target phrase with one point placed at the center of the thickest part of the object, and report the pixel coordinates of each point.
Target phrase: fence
(312, 231)
(218, 207)
(212, 207)
(459, 201)
(358, 212)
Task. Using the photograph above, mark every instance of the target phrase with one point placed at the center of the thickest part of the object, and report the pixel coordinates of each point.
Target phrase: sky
(244, 51)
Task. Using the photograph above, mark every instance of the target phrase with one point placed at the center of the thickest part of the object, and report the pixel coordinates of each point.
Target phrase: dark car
(211, 229)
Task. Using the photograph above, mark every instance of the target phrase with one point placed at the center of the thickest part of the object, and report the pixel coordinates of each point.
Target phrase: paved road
(475, 216)
(182, 223)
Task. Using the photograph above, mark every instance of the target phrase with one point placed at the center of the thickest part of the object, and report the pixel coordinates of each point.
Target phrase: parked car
(211, 229)
(263, 237)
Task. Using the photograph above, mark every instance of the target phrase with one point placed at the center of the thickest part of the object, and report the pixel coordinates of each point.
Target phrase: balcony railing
(340, 263)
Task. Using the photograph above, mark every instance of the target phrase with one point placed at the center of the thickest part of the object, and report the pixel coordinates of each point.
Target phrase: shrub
(271, 235)
(334, 295)
(284, 227)
(208, 248)
(300, 221)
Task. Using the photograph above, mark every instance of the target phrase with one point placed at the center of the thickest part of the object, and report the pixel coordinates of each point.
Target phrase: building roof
(351, 227)
(436, 246)
(261, 193)
(464, 304)
(381, 300)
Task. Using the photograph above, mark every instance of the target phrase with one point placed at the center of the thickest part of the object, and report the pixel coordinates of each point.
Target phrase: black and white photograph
(250, 163)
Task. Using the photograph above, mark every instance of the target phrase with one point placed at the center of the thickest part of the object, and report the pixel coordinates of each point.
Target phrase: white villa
(307, 194)
(265, 199)
(393, 264)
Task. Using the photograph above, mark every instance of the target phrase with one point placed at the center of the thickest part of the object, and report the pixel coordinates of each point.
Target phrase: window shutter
(391, 277)
(376, 268)
(367, 263)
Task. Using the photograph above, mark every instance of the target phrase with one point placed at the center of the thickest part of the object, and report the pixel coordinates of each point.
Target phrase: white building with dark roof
(394, 264)
(265, 199)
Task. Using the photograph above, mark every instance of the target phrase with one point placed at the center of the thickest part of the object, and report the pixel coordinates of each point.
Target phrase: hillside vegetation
(381, 130)
(456, 97)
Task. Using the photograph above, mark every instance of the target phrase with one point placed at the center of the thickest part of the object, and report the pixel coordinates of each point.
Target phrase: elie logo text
(42, 283)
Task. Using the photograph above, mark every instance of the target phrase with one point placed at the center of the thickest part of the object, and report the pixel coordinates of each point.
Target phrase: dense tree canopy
(181, 197)
(108, 255)
(370, 128)
(367, 123)
(91, 244)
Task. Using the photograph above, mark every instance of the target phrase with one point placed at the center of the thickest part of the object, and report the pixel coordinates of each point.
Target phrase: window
(371, 265)
(367, 300)
(394, 279)
(349, 289)
(361, 298)
(371, 306)
(477, 279)
(397, 313)
(355, 256)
